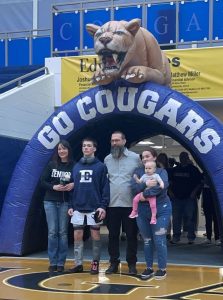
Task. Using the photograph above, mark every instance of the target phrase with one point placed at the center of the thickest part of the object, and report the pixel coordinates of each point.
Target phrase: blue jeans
(57, 220)
(184, 209)
(154, 235)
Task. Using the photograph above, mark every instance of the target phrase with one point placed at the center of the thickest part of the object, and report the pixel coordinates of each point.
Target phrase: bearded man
(121, 164)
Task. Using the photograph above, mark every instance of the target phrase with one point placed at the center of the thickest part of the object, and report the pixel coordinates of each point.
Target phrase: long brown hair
(65, 144)
(151, 150)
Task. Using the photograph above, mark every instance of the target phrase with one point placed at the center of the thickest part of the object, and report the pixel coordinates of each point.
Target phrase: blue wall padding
(10, 152)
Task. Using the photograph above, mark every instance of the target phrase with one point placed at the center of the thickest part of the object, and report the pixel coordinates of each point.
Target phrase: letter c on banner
(83, 112)
(62, 28)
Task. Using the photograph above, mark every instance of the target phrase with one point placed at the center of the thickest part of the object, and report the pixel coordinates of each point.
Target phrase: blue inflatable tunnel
(140, 111)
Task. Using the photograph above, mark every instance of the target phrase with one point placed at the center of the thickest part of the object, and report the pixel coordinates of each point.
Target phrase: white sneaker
(206, 242)
(217, 242)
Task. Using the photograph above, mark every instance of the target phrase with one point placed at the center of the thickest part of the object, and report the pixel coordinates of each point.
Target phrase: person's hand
(70, 212)
(69, 186)
(136, 178)
(151, 183)
(59, 188)
(102, 213)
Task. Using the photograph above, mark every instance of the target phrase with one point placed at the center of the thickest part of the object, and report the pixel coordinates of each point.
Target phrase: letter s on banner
(205, 142)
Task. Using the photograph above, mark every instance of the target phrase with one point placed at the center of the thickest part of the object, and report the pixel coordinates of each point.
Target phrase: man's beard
(117, 151)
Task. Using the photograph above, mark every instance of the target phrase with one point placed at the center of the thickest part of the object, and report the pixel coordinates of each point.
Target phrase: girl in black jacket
(57, 181)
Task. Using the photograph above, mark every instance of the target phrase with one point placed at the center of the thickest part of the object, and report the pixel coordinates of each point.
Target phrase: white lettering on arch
(48, 137)
(147, 102)
(190, 124)
(169, 110)
(205, 142)
(85, 112)
(104, 101)
(130, 95)
(63, 123)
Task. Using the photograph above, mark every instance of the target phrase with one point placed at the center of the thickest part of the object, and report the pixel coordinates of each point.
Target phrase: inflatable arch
(140, 110)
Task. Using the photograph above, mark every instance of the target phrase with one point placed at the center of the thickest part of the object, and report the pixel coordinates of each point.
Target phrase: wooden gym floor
(28, 279)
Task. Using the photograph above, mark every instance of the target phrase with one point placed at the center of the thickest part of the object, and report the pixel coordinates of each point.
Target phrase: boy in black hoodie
(90, 199)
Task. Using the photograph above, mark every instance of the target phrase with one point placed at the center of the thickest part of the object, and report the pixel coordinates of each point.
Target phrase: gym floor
(194, 272)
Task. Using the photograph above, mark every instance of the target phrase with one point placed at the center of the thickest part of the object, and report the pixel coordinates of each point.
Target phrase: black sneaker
(160, 274)
(60, 269)
(147, 273)
(76, 269)
(113, 268)
(190, 242)
(168, 237)
(94, 267)
(175, 241)
(52, 269)
(132, 270)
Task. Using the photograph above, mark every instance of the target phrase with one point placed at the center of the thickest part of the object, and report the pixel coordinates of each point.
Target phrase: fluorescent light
(145, 143)
(175, 143)
(157, 147)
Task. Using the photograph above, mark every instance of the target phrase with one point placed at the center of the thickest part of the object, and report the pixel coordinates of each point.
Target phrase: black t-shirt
(184, 179)
(52, 176)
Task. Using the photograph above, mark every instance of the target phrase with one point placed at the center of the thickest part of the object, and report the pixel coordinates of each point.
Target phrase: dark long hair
(162, 161)
(65, 144)
(151, 150)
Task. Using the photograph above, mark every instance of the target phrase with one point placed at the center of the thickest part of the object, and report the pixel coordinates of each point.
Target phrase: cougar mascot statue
(128, 51)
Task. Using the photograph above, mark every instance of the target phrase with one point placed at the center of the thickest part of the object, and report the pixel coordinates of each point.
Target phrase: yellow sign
(197, 73)
(76, 74)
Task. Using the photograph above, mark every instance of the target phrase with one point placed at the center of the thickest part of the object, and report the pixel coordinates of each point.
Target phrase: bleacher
(9, 73)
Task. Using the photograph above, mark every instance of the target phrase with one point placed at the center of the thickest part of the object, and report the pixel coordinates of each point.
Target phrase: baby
(150, 173)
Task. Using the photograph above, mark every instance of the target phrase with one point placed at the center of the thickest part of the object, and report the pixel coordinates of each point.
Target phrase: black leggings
(210, 214)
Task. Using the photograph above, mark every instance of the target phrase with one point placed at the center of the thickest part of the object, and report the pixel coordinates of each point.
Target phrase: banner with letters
(145, 108)
(197, 73)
